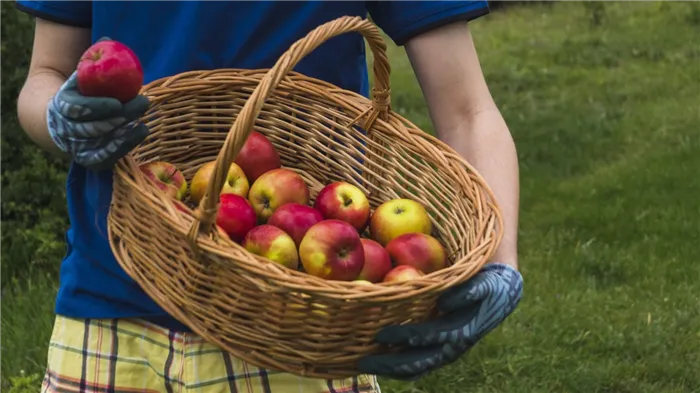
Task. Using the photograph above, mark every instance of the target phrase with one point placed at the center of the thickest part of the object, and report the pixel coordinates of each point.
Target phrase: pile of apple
(266, 208)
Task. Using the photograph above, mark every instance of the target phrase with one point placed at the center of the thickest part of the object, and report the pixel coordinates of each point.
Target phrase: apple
(257, 156)
(110, 69)
(236, 181)
(331, 249)
(300, 310)
(272, 243)
(377, 261)
(166, 177)
(419, 250)
(179, 205)
(344, 201)
(276, 188)
(295, 219)
(235, 216)
(398, 216)
(403, 273)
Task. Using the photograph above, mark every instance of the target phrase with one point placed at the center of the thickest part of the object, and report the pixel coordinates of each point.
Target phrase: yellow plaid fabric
(124, 356)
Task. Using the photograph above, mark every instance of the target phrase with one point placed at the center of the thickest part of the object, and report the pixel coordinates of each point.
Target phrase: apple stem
(96, 55)
(170, 176)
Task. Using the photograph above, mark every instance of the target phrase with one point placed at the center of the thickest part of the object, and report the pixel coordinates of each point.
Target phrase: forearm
(466, 117)
(484, 140)
(55, 55)
(31, 107)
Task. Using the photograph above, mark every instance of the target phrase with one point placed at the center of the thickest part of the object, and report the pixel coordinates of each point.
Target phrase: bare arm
(57, 49)
(466, 117)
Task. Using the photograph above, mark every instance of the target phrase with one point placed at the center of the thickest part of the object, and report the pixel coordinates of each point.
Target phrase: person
(108, 334)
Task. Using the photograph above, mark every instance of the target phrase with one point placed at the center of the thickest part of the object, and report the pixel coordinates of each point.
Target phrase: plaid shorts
(125, 356)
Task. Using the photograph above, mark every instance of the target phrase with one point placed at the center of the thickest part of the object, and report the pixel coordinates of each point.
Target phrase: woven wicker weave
(259, 311)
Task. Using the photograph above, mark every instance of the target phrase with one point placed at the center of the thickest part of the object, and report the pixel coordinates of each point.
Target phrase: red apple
(331, 249)
(272, 243)
(166, 177)
(181, 206)
(110, 69)
(377, 261)
(403, 273)
(276, 188)
(235, 183)
(396, 217)
(257, 156)
(235, 216)
(295, 219)
(344, 201)
(419, 250)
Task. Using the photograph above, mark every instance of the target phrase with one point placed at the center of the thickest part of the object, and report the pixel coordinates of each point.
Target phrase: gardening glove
(471, 310)
(95, 131)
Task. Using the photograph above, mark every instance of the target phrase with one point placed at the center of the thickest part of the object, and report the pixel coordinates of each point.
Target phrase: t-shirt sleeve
(403, 20)
(72, 13)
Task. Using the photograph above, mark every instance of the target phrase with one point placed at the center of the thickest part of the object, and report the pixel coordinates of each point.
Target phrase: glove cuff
(500, 268)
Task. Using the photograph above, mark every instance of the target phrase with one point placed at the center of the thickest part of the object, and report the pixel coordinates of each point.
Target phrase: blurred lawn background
(603, 100)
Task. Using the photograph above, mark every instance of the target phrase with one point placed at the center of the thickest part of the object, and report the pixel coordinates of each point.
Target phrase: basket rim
(436, 281)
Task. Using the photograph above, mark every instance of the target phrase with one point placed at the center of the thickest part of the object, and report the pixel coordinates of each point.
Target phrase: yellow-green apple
(298, 310)
(236, 181)
(331, 249)
(398, 216)
(166, 177)
(343, 201)
(257, 156)
(272, 243)
(295, 219)
(235, 216)
(109, 68)
(377, 261)
(419, 250)
(276, 188)
(362, 282)
(403, 273)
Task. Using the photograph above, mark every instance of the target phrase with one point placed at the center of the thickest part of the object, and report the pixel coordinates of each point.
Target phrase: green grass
(606, 120)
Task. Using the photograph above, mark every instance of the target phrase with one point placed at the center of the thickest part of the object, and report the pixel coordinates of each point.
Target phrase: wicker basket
(259, 311)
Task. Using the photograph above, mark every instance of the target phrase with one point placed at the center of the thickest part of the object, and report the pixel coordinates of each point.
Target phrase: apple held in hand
(397, 217)
(419, 250)
(295, 219)
(331, 249)
(403, 273)
(166, 177)
(344, 201)
(235, 216)
(235, 183)
(276, 188)
(377, 261)
(272, 243)
(110, 69)
(257, 156)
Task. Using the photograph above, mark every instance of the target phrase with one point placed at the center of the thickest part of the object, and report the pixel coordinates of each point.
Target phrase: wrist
(511, 261)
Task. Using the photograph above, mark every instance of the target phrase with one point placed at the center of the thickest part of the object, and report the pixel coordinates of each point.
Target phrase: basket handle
(205, 214)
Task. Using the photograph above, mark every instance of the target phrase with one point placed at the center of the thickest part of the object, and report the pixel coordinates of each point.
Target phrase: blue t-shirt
(176, 36)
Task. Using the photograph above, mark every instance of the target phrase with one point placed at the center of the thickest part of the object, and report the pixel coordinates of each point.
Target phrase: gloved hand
(471, 310)
(95, 131)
